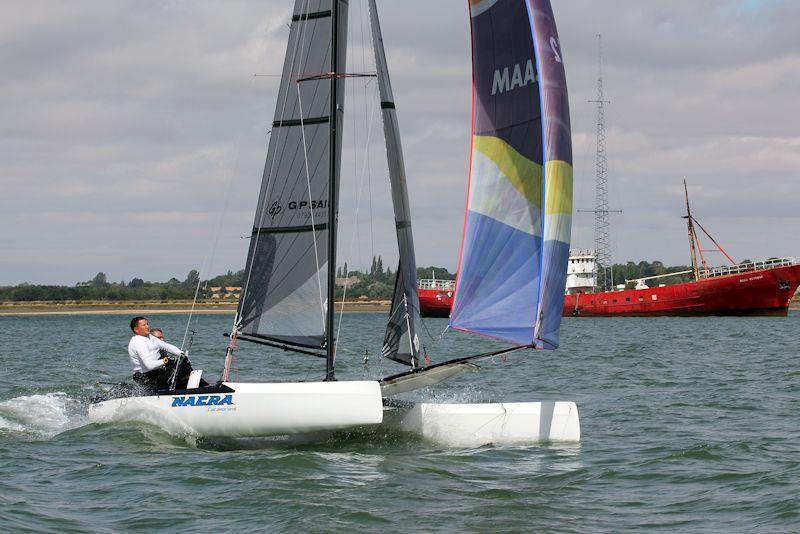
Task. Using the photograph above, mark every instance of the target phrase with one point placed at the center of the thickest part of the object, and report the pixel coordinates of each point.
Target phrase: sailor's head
(157, 332)
(140, 327)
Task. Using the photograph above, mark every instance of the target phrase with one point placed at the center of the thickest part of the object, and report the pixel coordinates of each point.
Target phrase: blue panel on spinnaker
(552, 298)
(501, 282)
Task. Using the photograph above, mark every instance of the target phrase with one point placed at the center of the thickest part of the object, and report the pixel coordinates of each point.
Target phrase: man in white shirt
(185, 364)
(150, 369)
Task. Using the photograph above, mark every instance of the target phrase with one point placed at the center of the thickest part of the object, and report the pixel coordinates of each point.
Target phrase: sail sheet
(515, 244)
(401, 342)
(285, 295)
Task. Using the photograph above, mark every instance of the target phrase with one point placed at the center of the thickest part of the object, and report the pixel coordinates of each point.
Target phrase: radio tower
(602, 240)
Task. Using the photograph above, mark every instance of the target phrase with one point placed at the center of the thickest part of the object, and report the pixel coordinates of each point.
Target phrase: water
(687, 424)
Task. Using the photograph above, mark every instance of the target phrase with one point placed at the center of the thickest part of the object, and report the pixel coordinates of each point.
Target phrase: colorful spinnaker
(515, 244)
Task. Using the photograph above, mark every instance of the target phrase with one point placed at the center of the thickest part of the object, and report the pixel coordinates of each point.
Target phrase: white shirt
(145, 353)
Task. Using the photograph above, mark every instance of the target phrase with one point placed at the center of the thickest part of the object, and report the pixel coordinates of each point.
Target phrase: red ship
(752, 288)
(757, 288)
(436, 297)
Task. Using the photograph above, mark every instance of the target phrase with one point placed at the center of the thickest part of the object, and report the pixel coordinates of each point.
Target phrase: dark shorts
(159, 379)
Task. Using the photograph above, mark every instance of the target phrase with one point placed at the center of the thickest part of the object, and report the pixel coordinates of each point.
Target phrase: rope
(364, 172)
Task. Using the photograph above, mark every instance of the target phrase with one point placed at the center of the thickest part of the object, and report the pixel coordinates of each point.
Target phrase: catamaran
(514, 249)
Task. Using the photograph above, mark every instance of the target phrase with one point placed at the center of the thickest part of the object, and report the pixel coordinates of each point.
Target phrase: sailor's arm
(149, 364)
(170, 349)
(148, 359)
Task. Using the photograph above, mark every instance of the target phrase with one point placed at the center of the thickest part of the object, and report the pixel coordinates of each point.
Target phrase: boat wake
(42, 415)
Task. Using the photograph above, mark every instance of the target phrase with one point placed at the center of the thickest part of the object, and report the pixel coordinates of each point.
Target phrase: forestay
(401, 342)
(515, 245)
(286, 293)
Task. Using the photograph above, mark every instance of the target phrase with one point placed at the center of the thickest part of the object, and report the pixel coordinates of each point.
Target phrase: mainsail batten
(515, 242)
(289, 263)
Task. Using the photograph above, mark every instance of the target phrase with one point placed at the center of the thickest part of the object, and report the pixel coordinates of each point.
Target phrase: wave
(43, 415)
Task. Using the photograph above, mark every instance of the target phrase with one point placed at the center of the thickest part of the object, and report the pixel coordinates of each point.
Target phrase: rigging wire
(369, 118)
(367, 125)
(206, 265)
(357, 210)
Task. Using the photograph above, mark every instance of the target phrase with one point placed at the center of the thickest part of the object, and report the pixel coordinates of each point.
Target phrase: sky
(133, 134)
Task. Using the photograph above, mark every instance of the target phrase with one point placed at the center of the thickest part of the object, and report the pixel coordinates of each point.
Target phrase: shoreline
(40, 308)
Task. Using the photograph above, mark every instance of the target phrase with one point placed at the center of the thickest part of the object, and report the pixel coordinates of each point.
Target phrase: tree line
(643, 269)
(377, 284)
(99, 288)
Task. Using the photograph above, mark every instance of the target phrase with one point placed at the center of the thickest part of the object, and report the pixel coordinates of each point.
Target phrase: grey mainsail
(292, 249)
(401, 342)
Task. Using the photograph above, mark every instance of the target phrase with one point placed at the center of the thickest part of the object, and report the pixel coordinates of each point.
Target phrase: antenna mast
(602, 234)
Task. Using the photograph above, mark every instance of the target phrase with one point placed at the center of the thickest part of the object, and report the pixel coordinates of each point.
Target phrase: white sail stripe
(493, 195)
(558, 227)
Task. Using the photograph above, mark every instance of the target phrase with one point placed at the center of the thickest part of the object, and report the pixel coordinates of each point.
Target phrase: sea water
(687, 424)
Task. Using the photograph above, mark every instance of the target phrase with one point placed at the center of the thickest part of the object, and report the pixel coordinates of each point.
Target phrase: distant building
(226, 292)
(350, 281)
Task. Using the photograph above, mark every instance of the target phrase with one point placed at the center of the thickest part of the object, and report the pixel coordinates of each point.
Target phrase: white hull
(253, 409)
(473, 425)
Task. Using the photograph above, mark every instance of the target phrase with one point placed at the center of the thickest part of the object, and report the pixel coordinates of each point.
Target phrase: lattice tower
(602, 237)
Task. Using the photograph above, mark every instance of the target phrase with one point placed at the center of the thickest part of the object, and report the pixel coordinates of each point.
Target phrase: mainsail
(290, 264)
(401, 342)
(515, 244)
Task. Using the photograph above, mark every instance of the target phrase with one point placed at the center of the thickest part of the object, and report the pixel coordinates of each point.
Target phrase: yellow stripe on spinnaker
(558, 196)
(522, 173)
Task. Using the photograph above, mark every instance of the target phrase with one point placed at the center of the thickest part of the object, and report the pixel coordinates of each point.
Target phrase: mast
(602, 232)
(333, 190)
(692, 236)
(602, 224)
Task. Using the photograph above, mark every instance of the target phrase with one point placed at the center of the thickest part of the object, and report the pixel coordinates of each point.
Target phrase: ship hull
(435, 302)
(762, 292)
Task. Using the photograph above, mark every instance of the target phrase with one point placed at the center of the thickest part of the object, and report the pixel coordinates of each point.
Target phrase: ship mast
(692, 235)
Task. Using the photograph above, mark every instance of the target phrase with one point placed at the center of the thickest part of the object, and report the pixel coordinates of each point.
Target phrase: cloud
(134, 133)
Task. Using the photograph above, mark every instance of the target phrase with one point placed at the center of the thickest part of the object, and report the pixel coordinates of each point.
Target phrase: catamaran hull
(252, 409)
(505, 423)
